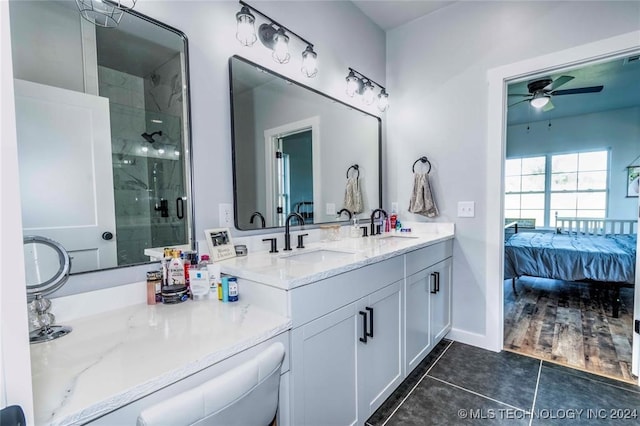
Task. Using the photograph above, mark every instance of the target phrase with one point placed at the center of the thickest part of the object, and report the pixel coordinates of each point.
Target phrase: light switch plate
(466, 208)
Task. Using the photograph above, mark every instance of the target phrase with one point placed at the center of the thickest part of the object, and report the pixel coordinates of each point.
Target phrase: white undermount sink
(318, 255)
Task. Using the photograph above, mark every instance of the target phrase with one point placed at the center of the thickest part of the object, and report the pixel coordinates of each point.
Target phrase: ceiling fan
(541, 91)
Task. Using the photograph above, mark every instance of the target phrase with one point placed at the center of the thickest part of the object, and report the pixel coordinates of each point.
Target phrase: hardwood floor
(570, 324)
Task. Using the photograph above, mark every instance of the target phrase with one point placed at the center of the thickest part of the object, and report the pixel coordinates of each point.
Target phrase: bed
(580, 249)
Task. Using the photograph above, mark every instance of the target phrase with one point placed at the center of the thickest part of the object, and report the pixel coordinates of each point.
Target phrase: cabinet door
(323, 369)
(441, 300)
(380, 358)
(417, 318)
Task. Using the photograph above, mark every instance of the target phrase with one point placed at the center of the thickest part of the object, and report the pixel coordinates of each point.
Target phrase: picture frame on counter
(220, 243)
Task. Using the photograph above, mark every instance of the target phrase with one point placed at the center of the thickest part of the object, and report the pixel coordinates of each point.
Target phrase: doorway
(616, 47)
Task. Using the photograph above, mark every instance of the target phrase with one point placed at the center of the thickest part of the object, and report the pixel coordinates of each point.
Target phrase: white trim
(469, 338)
(270, 135)
(599, 51)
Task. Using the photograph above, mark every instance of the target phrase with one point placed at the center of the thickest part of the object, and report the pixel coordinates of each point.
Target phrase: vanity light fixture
(104, 13)
(274, 36)
(359, 84)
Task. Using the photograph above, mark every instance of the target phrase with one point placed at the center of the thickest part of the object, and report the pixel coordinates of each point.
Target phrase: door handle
(180, 208)
(437, 281)
(107, 236)
(364, 327)
(432, 283)
(370, 333)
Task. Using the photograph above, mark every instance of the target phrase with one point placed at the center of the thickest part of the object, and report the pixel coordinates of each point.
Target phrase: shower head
(149, 137)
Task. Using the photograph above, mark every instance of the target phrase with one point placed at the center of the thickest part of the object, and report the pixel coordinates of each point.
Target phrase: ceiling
(391, 14)
(620, 78)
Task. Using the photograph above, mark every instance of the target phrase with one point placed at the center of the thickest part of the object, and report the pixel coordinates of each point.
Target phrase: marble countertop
(117, 357)
(283, 270)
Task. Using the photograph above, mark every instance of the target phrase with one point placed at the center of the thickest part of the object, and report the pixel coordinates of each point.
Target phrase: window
(573, 185)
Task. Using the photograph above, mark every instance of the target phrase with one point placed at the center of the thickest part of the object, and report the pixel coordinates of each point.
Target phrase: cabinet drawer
(314, 300)
(425, 257)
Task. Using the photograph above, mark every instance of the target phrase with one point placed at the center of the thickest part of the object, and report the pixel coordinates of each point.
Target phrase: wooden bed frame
(587, 226)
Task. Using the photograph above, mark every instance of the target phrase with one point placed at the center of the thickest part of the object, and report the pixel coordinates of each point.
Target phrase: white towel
(353, 195)
(422, 201)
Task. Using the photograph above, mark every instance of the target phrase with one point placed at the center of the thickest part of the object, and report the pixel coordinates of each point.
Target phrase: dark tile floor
(459, 384)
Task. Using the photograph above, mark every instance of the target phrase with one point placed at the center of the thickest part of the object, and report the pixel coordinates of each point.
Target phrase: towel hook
(422, 160)
(356, 168)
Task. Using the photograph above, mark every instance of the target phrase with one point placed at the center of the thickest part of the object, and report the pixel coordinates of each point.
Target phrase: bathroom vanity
(356, 316)
(364, 312)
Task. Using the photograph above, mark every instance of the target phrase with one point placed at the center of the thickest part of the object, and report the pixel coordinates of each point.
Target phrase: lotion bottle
(176, 270)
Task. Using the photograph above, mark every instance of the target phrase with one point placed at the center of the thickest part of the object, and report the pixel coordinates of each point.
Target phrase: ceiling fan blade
(519, 102)
(592, 89)
(548, 107)
(564, 79)
(520, 94)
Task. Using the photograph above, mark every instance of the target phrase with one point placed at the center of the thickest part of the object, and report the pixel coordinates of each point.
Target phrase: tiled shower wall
(142, 179)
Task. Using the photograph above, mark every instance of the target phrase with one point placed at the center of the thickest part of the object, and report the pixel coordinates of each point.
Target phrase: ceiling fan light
(539, 100)
(246, 31)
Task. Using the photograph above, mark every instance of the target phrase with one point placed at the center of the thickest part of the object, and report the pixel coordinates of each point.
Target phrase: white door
(324, 370)
(417, 318)
(64, 142)
(441, 301)
(15, 366)
(635, 356)
(380, 358)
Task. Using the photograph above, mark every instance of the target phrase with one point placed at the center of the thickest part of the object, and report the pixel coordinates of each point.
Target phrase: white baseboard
(473, 339)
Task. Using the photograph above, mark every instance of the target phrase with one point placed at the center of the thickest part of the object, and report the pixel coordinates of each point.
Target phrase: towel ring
(422, 160)
(354, 167)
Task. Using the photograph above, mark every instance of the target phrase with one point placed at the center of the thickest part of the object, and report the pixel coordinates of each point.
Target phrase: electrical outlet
(331, 208)
(394, 206)
(225, 215)
(466, 209)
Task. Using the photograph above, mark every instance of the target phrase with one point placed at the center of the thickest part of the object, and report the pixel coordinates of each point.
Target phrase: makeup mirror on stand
(47, 266)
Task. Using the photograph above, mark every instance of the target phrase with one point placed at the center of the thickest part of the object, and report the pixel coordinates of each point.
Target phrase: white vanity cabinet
(427, 311)
(347, 362)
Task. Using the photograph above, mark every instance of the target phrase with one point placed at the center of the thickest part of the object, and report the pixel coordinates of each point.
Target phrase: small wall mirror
(293, 147)
(47, 266)
(103, 133)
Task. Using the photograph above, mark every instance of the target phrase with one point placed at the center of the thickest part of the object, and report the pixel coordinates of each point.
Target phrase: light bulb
(309, 62)
(368, 94)
(144, 149)
(281, 47)
(383, 101)
(246, 32)
(539, 100)
(353, 83)
(161, 151)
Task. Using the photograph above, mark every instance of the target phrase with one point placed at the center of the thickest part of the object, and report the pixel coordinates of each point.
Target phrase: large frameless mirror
(103, 133)
(294, 149)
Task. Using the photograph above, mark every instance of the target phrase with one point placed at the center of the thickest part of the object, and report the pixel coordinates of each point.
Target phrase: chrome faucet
(287, 235)
(373, 217)
(258, 214)
(345, 211)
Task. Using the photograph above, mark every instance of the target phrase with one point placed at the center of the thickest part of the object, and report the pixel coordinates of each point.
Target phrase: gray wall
(351, 40)
(437, 77)
(618, 130)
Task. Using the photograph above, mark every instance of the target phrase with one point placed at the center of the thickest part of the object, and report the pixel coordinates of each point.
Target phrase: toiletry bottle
(225, 290)
(234, 294)
(354, 232)
(199, 282)
(393, 220)
(176, 270)
(154, 278)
